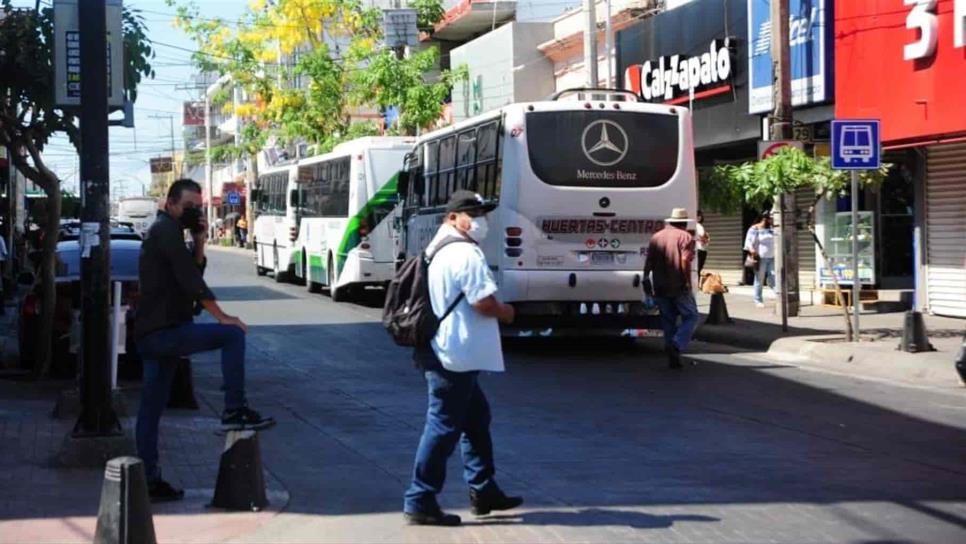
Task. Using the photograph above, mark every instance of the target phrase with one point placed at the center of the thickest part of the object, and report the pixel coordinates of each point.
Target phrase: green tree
(726, 188)
(29, 118)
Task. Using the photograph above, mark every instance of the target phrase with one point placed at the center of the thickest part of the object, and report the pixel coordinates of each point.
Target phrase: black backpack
(408, 313)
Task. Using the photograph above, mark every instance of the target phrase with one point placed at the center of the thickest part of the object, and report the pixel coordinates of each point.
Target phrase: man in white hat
(668, 266)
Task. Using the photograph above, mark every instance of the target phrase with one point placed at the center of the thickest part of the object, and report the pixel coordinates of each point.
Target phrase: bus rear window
(603, 148)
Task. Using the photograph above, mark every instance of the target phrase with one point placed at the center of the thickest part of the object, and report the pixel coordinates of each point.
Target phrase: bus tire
(259, 270)
(310, 285)
(276, 267)
(335, 293)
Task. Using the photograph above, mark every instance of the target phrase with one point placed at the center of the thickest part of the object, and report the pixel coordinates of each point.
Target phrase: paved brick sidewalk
(43, 503)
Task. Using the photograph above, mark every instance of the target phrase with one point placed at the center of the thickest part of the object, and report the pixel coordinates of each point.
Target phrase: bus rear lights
(514, 242)
(617, 106)
(293, 233)
(587, 105)
(601, 105)
(514, 231)
(365, 246)
(513, 252)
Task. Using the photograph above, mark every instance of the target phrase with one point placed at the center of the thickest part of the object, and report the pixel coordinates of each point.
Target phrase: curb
(868, 361)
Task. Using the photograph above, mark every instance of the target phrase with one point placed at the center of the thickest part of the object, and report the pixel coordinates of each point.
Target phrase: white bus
(139, 211)
(275, 228)
(347, 207)
(581, 185)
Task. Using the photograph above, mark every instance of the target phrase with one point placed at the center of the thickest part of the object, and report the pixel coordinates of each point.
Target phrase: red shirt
(669, 257)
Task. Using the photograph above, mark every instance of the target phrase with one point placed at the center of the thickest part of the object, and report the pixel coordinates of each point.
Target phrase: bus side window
(431, 175)
(486, 161)
(447, 170)
(466, 161)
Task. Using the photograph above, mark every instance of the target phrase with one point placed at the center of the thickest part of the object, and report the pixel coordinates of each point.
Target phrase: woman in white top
(701, 241)
(760, 244)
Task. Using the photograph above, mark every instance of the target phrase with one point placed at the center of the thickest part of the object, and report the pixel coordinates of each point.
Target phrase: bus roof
(555, 105)
(361, 144)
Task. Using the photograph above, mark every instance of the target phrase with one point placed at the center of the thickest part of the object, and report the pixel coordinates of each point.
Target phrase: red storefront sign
(904, 62)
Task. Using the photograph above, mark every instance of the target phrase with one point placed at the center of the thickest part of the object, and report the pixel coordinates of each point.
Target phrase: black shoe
(244, 418)
(439, 518)
(161, 491)
(485, 502)
(673, 356)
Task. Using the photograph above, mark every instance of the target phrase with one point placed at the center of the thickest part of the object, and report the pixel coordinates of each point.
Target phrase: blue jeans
(458, 412)
(683, 306)
(765, 273)
(160, 351)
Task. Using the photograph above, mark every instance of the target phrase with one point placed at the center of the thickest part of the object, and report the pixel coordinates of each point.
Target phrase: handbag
(751, 261)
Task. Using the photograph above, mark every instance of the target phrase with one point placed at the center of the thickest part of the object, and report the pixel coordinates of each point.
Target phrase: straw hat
(678, 215)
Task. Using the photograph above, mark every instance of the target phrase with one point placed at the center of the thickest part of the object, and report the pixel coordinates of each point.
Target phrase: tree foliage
(305, 64)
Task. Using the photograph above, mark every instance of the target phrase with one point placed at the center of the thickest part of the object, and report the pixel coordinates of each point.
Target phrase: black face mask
(191, 219)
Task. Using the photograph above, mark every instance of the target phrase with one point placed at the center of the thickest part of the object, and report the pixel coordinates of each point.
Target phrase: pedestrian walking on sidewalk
(668, 267)
(701, 241)
(172, 292)
(760, 245)
(242, 227)
(466, 343)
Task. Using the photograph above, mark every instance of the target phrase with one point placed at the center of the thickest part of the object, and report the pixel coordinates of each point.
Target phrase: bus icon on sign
(855, 144)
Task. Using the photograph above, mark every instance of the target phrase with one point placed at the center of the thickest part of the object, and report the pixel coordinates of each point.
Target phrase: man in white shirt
(467, 342)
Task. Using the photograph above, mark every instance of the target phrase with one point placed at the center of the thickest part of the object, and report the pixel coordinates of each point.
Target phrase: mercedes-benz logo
(604, 142)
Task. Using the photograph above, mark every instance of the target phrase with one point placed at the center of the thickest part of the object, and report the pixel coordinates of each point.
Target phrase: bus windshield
(603, 148)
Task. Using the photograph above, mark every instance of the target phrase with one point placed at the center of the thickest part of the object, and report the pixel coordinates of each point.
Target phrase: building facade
(919, 48)
(707, 55)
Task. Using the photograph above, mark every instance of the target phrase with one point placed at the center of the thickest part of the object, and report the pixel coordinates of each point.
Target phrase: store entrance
(896, 224)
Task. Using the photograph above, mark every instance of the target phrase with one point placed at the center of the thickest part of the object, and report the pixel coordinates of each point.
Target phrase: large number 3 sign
(923, 17)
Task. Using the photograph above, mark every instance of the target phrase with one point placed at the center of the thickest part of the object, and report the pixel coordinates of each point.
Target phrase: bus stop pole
(856, 282)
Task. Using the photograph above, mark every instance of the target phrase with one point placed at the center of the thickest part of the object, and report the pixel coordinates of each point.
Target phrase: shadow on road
(594, 517)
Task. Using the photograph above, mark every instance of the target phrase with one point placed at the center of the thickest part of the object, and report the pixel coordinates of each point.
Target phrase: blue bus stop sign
(234, 198)
(855, 144)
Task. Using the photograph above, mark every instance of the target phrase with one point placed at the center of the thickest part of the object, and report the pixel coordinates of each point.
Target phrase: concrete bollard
(718, 313)
(124, 516)
(914, 335)
(241, 482)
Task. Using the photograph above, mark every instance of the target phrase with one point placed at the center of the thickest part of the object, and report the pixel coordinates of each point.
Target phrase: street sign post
(856, 146)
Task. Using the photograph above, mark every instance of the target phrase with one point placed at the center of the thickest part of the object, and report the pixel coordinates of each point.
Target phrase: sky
(159, 100)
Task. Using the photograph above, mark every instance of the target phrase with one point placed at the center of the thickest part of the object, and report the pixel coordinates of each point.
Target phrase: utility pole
(780, 128)
(209, 183)
(590, 43)
(170, 118)
(97, 418)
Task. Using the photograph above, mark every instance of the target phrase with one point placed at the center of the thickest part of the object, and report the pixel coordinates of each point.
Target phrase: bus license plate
(602, 258)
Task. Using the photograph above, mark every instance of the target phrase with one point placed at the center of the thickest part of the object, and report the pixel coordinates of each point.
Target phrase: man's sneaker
(495, 499)
(161, 491)
(436, 518)
(244, 418)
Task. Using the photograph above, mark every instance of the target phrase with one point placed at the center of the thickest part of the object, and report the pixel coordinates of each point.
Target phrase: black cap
(467, 201)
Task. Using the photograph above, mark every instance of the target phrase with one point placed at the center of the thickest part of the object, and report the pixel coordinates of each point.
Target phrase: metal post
(590, 43)
(97, 416)
(115, 332)
(856, 281)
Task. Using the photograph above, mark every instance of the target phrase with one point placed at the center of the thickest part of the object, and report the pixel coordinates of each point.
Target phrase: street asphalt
(605, 442)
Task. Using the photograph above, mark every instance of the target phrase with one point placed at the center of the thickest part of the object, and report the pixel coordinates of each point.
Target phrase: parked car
(67, 330)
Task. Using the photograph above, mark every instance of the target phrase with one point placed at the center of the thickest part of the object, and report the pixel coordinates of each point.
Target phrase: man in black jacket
(171, 289)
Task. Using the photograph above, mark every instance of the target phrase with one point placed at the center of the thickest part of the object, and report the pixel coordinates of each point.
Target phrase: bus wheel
(277, 268)
(259, 270)
(310, 285)
(337, 294)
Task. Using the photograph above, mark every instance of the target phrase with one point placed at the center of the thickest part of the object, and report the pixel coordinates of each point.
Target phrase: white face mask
(478, 229)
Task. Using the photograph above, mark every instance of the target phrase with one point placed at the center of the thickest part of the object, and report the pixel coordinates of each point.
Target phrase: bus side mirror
(402, 184)
(294, 198)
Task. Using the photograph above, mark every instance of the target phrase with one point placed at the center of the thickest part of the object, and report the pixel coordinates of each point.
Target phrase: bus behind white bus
(139, 211)
(274, 232)
(581, 185)
(347, 206)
